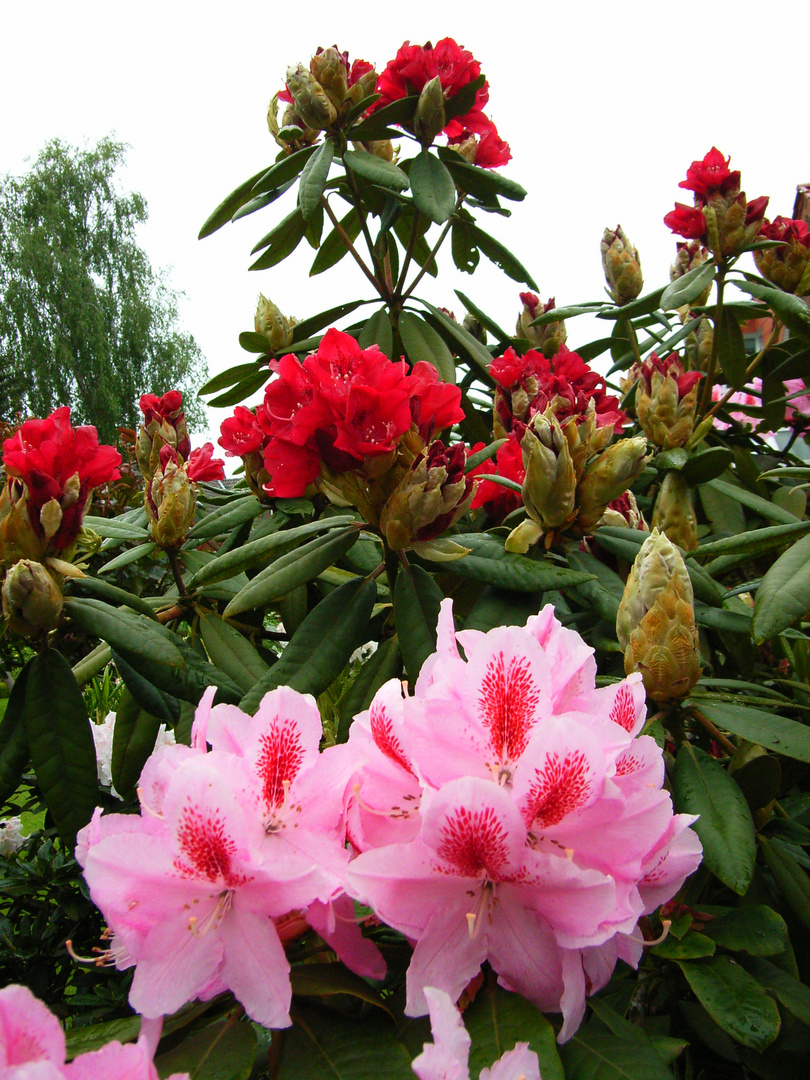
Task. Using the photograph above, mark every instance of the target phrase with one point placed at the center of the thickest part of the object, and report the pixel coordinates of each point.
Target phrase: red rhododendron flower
(57, 461)
(670, 365)
(710, 175)
(241, 433)
(497, 500)
(755, 211)
(785, 229)
(489, 149)
(686, 222)
(202, 465)
(435, 405)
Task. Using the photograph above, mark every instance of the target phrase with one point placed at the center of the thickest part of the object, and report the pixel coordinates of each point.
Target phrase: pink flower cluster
(340, 407)
(511, 812)
(32, 1046)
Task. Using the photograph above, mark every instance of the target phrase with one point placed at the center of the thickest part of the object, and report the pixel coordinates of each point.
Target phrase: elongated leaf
(382, 665)
(14, 753)
(231, 652)
(153, 701)
(465, 343)
(228, 207)
(115, 528)
(326, 980)
(499, 607)
(416, 610)
(226, 518)
(784, 595)
(490, 563)
(731, 348)
(432, 187)
(604, 592)
(377, 331)
(497, 1020)
(422, 342)
(734, 1000)
(757, 930)
(707, 465)
(313, 178)
(755, 541)
(463, 248)
(373, 127)
(103, 590)
(243, 389)
(478, 182)
(229, 377)
(702, 786)
(334, 246)
(126, 558)
(791, 878)
(375, 169)
(303, 329)
(754, 502)
(336, 1047)
(134, 736)
(251, 342)
(224, 1050)
(295, 568)
(794, 995)
(281, 242)
(81, 1040)
(687, 288)
(61, 742)
(569, 312)
(643, 305)
(792, 310)
(502, 257)
(763, 728)
(321, 646)
(284, 170)
(596, 1053)
(476, 312)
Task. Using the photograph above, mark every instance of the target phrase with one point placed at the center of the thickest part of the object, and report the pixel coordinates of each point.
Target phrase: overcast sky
(604, 105)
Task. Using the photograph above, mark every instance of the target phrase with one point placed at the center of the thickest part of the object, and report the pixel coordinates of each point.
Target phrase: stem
(364, 225)
(351, 248)
(717, 735)
(177, 573)
(431, 257)
(706, 393)
(408, 255)
(749, 371)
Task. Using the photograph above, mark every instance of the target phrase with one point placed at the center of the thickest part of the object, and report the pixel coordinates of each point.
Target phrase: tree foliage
(85, 320)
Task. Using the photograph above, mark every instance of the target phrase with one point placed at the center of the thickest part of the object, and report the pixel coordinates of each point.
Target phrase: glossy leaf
(734, 1000)
(755, 541)
(226, 518)
(490, 563)
(252, 342)
(502, 257)
(463, 247)
(243, 389)
(228, 207)
(497, 1020)
(794, 995)
(702, 786)
(432, 187)
(231, 651)
(784, 595)
(63, 753)
(692, 946)
(756, 929)
(377, 331)
(422, 342)
(334, 246)
(224, 1050)
(229, 377)
(163, 706)
(313, 178)
(115, 528)
(791, 310)
(284, 170)
(731, 349)
(604, 591)
(596, 1053)
(14, 755)
(476, 312)
(281, 242)
(499, 607)
(314, 323)
(792, 879)
(416, 610)
(82, 1040)
(687, 288)
(134, 736)
(481, 183)
(374, 126)
(333, 1046)
(326, 980)
(766, 729)
(706, 465)
(382, 665)
(376, 169)
(469, 348)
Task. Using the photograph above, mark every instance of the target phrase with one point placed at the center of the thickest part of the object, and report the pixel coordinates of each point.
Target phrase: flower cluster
(785, 266)
(511, 812)
(666, 398)
(721, 218)
(416, 66)
(32, 1046)
(228, 841)
(319, 97)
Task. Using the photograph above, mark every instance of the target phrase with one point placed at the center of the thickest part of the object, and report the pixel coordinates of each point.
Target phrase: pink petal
(445, 1058)
(446, 956)
(521, 1063)
(256, 968)
(337, 924)
(28, 1029)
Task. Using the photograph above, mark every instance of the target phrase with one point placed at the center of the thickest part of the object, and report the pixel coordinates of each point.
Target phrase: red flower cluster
(201, 464)
(710, 175)
(416, 65)
(788, 230)
(499, 501)
(670, 365)
(56, 461)
(340, 407)
(528, 384)
(167, 409)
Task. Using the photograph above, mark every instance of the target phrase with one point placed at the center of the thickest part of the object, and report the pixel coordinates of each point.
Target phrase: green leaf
(674, 459)
(115, 528)
(794, 995)
(766, 729)
(734, 1000)
(784, 595)
(284, 170)
(163, 706)
(377, 331)
(702, 786)
(228, 207)
(326, 980)
(497, 1020)
(334, 246)
(569, 312)
(481, 316)
(229, 377)
(792, 310)
(134, 736)
(756, 929)
(596, 1053)
(502, 257)
(490, 563)
(463, 247)
(140, 551)
(464, 100)
(498, 607)
(731, 348)
(227, 518)
(687, 288)
(332, 1046)
(375, 169)
(469, 348)
(224, 1050)
(432, 187)
(416, 610)
(321, 646)
(251, 342)
(604, 592)
(314, 323)
(61, 741)
(692, 946)
(754, 502)
(382, 665)
(281, 242)
(14, 755)
(422, 342)
(707, 465)
(756, 541)
(375, 126)
(295, 568)
(313, 178)
(243, 389)
(83, 1040)
(644, 305)
(478, 182)
(231, 652)
(792, 880)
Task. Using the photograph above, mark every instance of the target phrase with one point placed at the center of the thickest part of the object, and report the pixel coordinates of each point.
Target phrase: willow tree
(85, 320)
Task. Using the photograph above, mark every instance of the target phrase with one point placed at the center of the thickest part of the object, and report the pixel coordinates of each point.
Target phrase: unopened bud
(547, 338)
(311, 102)
(475, 328)
(429, 119)
(624, 513)
(431, 497)
(329, 71)
(674, 513)
(656, 621)
(169, 503)
(789, 264)
(50, 518)
(607, 476)
(550, 482)
(32, 601)
(621, 265)
(666, 398)
(271, 324)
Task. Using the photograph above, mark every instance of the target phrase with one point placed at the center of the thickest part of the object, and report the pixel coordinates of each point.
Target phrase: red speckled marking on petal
(384, 738)
(623, 712)
(508, 698)
(560, 788)
(474, 842)
(280, 758)
(628, 763)
(206, 847)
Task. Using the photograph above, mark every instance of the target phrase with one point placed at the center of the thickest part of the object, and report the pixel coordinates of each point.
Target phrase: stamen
(212, 920)
(393, 814)
(144, 807)
(665, 923)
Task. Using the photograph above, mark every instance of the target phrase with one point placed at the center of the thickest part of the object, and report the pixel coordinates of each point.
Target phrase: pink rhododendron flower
(527, 824)
(32, 1047)
(739, 397)
(446, 1058)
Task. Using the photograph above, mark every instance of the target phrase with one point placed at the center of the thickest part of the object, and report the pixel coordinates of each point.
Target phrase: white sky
(604, 104)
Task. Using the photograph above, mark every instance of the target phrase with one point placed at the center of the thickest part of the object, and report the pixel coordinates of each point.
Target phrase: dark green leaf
(14, 755)
(497, 1020)
(260, 201)
(476, 312)
(231, 651)
(227, 378)
(734, 1000)
(151, 700)
(376, 169)
(499, 607)
(674, 459)
(761, 506)
(692, 946)
(61, 742)
(331, 1046)
(243, 389)
(596, 1053)
(224, 1050)
(490, 563)
(314, 323)
(251, 342)
(134, 736)
(374, 127)
(284, 170)
(463, 101)
(422, 342)
(644, 305)
(687, 288)
(502, 257)
(464, 342)
(226, 518)
(227, 208)
(416, 610)
(784, 595)
(82, 1040)
(115, 528)
(766, 729)
(377, 331)
(791, 878)
(792, 310)
(604, 592)
(281, 242)
(702, 786)
(103, 590)
(794, 995)
(313, 178)
(706, 465)
(326, 980)
(756, 929)
(334, 246)
(463, 247)
(321, 646)
(481, 183)
(432, 187)
(382, 665)
(569, 312)
(731, 348)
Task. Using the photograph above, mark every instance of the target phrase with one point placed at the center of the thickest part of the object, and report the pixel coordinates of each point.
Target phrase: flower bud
(311, 101)
(32, 601)
(666, 398)
(431, 497)
(429, 119)
(624, 513)
(169, 503)
(621, 265)
(475, 328)
(607, 476)
(656, 621)
(674, 513)
(18, 537)
(547, 338)
(272, 325)
(329, 70)
(787, 265)
(164, 424)
(549, 486)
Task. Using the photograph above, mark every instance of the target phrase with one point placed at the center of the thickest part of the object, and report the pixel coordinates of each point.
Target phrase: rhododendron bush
(464, 730)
